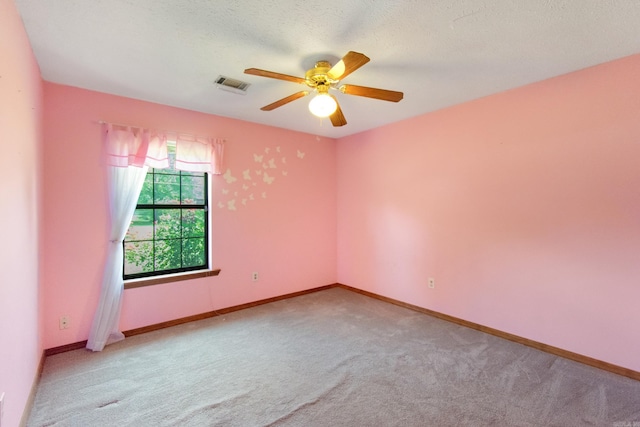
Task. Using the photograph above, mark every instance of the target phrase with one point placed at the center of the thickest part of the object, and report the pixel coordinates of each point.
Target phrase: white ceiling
(438, 52)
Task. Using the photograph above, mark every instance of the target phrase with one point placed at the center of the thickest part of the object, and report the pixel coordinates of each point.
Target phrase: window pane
(193, 252)
(192, 190)
(141, 227)
(167, 224)
(168, 254)
(185, 173)
(138, 257)
(167, 189)
(146, 195)
(193, 223)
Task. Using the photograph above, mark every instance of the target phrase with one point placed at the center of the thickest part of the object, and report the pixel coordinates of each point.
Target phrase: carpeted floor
(331, 358)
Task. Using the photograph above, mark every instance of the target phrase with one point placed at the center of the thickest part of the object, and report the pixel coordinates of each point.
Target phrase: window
(170, 228)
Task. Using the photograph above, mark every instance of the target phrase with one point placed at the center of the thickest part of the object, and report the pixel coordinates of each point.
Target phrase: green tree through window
(169, 229)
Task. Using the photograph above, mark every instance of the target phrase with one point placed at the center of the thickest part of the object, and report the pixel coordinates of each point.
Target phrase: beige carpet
(331, 358)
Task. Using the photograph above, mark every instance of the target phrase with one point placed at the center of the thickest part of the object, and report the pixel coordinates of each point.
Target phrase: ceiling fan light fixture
(324, 77)
(323, 105)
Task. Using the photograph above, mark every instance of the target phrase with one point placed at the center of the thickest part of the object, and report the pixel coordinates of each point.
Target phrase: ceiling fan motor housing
(318, 77)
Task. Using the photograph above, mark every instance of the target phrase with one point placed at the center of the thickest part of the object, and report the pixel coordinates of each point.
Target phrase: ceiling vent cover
(232, 85)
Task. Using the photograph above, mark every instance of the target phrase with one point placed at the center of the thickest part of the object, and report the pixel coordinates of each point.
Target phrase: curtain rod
(103, 122)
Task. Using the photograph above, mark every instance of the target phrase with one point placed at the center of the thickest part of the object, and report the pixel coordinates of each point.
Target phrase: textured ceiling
(438, 52)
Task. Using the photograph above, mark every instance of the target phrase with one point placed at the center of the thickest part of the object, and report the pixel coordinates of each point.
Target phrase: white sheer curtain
(129, 155)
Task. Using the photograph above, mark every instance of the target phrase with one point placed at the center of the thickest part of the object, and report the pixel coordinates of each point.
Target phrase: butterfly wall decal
(268, 179)
(228, 177)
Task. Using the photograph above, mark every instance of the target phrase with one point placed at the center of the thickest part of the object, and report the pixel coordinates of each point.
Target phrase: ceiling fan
(323, 77)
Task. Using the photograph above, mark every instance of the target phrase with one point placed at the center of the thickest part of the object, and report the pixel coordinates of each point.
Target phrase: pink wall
(282, 226)
(20, 138)
(524, 207)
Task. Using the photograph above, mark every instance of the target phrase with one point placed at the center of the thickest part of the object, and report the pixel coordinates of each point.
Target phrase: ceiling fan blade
(283, 101)
(337, 118)
(371, 92)
(347, 65)
(271, 74)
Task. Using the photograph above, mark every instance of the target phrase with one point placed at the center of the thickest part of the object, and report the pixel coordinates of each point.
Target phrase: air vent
(232, 85)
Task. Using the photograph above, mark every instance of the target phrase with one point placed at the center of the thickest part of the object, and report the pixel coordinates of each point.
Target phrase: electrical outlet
(432, 282)
(254, 276)
(64, 322)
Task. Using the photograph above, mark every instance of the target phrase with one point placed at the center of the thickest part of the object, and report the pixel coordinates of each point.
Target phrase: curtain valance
(129, 146)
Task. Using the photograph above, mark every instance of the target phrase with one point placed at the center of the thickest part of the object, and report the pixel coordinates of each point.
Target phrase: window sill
(158, 280)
